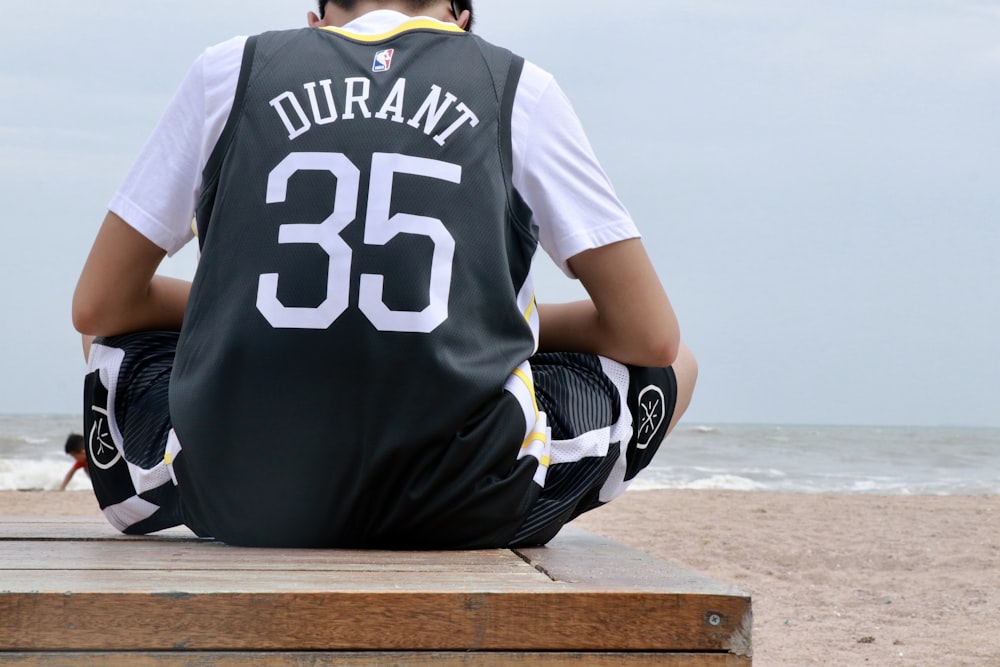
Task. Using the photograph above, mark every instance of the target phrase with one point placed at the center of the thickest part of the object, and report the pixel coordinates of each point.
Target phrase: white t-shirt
(555, 169)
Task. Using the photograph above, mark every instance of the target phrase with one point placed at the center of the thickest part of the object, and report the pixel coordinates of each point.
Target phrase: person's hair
(74, 443)
(459, 5)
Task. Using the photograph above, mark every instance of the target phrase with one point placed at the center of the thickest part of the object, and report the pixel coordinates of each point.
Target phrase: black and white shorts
(126, 418)
(605, 422)
(598, 423)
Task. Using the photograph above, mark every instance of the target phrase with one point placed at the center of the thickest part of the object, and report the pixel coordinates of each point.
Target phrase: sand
(836, 579)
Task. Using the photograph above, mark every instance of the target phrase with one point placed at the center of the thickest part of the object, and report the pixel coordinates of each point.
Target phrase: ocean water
(807, 459)
(32, 452)
(828, 459)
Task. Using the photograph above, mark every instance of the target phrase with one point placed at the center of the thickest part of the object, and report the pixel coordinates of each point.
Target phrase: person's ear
(313, 20)
(463, 19)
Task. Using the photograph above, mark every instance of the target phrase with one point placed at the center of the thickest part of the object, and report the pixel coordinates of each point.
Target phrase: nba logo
(383, 61)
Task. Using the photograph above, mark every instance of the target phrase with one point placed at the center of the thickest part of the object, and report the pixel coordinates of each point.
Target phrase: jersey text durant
(321, 103)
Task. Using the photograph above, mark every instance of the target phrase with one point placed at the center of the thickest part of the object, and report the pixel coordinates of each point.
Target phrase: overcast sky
(817, 181)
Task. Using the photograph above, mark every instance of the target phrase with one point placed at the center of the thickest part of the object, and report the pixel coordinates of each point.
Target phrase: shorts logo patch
(383, 60)
(651, 413)
(103, 452)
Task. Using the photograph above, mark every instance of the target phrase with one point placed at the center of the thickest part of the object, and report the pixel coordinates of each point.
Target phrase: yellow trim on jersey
(416, 24)
(521, 375)
(531, 309)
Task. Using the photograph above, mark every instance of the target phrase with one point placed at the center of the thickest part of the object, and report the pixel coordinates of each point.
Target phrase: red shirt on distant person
(75, 448)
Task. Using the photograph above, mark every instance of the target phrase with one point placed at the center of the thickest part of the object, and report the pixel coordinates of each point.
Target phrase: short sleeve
(558, 175)
(160, 191)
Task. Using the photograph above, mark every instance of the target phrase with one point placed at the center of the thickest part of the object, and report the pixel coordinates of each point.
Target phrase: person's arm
(587, 231)
(629, 317)
(67, 478)
(118, 291)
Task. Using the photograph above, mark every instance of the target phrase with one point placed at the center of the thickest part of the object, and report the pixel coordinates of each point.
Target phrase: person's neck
(438, 11)
(337, 18)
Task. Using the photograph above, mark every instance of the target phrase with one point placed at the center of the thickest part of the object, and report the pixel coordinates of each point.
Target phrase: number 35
(380, 228)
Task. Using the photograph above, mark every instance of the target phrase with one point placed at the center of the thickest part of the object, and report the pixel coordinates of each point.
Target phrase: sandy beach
(836, 579)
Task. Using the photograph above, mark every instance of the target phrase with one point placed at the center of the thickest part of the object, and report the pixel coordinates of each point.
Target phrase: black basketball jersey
(354, 316)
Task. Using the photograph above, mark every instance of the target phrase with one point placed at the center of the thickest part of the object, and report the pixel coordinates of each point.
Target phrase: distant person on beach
(74, 447)
(360, 360)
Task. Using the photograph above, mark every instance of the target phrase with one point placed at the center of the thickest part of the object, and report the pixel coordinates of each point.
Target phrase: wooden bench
(72, 590)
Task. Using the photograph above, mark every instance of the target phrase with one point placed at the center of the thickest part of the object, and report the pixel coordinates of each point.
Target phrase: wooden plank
(706, 609)
(178, 556)
(579, 557)
(80, 528)
(104, 592)
(374, 659)
(175, 583)
(356, 621)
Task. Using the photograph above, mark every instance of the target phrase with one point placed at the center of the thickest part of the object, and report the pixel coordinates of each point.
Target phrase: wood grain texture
(70, 586)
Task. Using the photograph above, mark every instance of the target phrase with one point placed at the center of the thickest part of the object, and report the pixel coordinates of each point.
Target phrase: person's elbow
(667, 351)
(91, 314)
(86, 318)
(113, 292)
(659, 349)
(653, 344)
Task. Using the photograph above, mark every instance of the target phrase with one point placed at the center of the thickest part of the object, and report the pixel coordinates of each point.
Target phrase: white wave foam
(726, 483)
(713, 483)
(45, 474)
